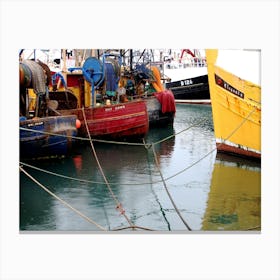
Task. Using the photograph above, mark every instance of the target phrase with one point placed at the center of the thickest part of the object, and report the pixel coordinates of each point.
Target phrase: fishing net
(38, 76)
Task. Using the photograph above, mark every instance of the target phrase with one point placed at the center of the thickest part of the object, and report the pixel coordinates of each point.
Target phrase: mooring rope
(82, 138)
(167, 191)
(147, 146)
(133, 228)
(110, 141)
(196, 162)
(119, 206)
(213, 150)
(53, 134)
(84, 180)
(174, 134)
(61, 200)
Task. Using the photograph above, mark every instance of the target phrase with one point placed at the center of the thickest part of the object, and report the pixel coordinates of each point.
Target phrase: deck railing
(191, 62)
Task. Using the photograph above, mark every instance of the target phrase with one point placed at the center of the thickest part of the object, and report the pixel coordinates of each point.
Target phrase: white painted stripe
(194, 101)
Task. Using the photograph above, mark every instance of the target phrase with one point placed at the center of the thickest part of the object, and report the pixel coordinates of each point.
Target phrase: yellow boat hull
(236, 110)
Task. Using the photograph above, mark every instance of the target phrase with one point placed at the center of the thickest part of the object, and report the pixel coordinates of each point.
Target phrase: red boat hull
(221, 147)
(119, 121)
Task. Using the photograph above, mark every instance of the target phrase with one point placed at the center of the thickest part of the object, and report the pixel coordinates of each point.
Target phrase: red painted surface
(73, 79)
(123, 120)
(221, 147)
(167, 101)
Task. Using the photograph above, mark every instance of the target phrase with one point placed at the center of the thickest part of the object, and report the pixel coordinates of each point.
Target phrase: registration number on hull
(116, 108)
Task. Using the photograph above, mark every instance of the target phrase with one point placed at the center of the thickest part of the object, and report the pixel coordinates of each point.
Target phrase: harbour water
(212, 192)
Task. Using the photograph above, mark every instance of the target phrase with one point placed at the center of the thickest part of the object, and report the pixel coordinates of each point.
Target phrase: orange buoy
(78, 123)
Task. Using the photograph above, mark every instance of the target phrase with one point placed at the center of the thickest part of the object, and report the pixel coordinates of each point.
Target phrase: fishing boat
(144, 81)
(90, 93)
(139, 78)
(119, 102)
(126, 121)
(65, 64)
(47, 137)
(187, 78)
(234, 78)
(41, 135)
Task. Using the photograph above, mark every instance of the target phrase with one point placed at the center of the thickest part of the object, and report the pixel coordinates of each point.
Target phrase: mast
(64, 67)
(131, 58)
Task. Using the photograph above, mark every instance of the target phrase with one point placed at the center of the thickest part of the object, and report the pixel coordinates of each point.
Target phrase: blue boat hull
(37, 139)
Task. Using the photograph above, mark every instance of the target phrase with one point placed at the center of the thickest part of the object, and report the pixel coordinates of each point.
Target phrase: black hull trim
(191, 89)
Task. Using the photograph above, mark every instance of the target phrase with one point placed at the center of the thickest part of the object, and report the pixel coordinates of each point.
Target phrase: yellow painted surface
(87, 94)
(234, 200)
(157, 83)
(229, 110)
(32, 99)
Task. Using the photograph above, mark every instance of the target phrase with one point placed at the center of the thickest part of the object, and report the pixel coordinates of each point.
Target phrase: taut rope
(119, 206)
(61, 200)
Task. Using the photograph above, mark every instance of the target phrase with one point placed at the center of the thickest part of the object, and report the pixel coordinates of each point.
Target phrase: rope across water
(146, 145)
(119, 205)
(61, 200)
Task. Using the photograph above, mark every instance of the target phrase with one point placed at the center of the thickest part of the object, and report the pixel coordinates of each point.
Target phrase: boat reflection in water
(234, 201)
(130, 171)
(211, 193)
